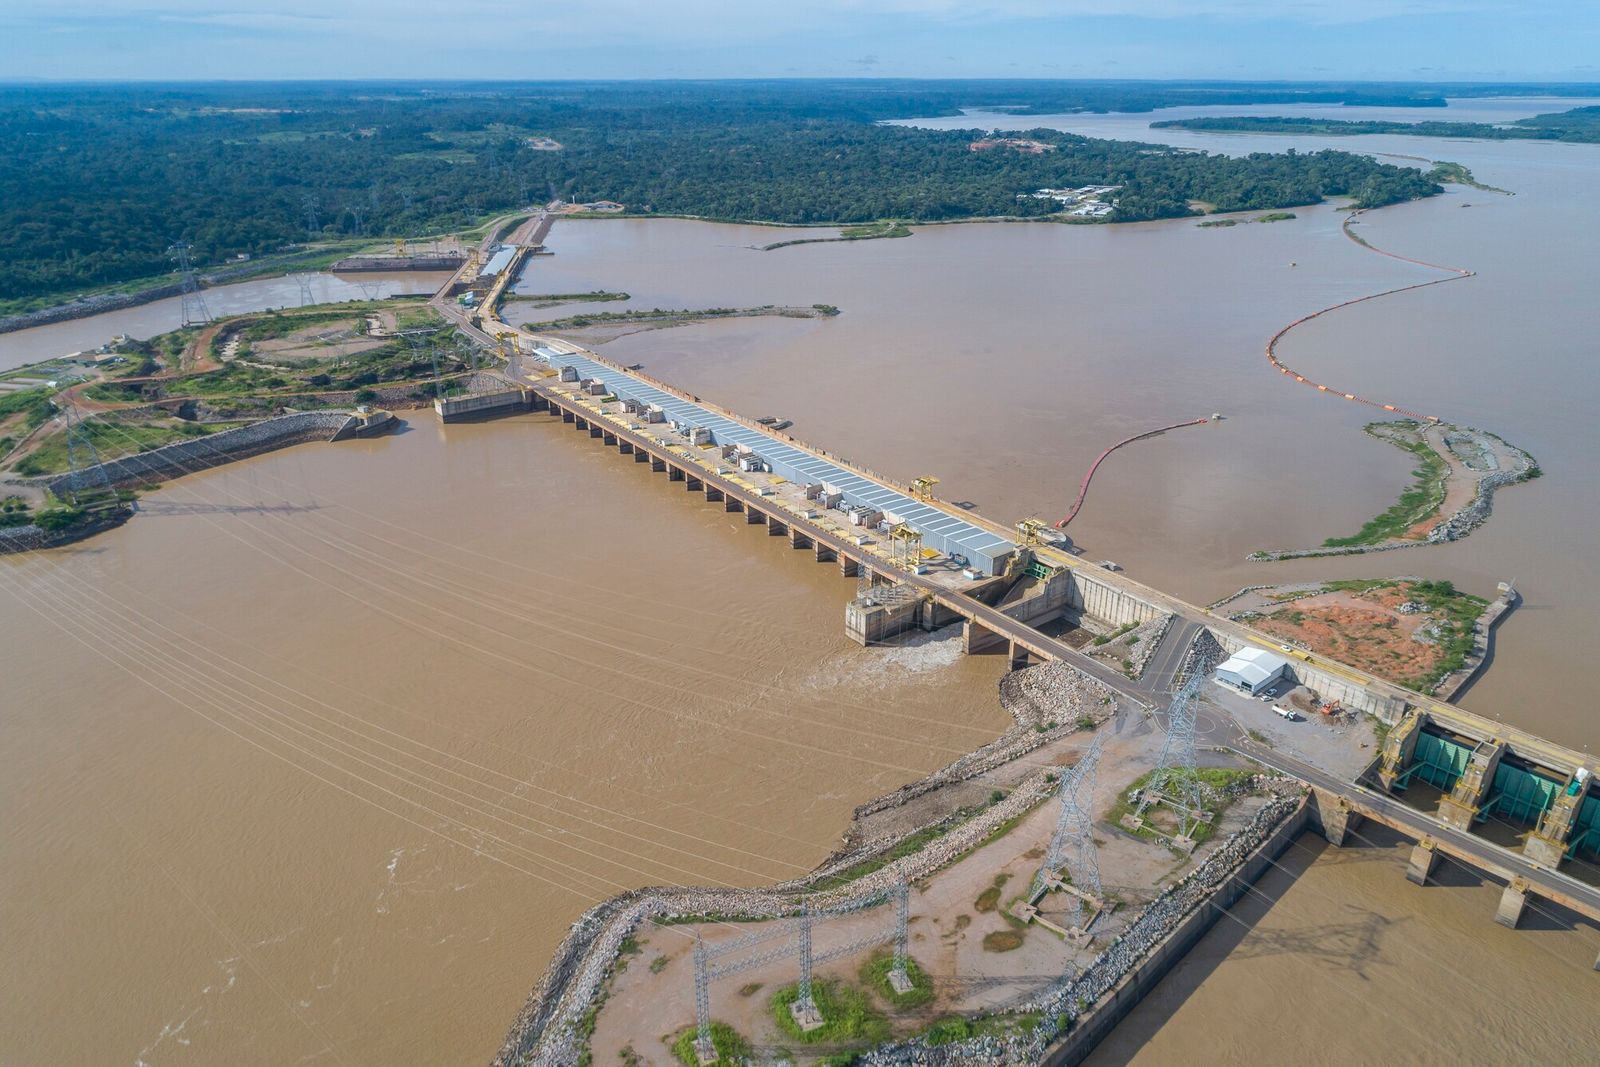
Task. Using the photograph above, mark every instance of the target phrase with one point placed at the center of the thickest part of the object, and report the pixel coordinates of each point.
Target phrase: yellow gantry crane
(1030, 529)
(905, 544)
(922, 488)
(507, 340)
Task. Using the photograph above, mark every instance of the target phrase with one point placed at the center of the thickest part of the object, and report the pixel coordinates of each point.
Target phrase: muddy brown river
(317, 758)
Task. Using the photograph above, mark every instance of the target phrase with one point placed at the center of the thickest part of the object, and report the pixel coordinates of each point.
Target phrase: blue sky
(1305, 39)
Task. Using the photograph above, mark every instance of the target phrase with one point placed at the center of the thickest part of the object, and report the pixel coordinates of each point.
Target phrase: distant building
(1253, 670)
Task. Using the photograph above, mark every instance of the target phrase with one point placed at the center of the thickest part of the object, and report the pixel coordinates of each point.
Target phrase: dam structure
(1515, 807)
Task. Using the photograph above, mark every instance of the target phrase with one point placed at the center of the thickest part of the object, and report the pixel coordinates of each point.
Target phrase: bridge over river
(944, 565)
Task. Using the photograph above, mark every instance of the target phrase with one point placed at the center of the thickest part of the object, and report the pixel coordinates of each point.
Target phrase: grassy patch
(732, 1048)
(954, 1028)
(874, 975)
(1002, 941)
(1276, 216)
(1214, 782)
(847, 1015)
(1418, 502)
(111, 440)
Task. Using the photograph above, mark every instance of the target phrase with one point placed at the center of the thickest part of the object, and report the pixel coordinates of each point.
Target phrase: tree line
(97, 181)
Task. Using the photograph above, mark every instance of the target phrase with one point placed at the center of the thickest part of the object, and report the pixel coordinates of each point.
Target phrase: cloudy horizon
(1417, 40)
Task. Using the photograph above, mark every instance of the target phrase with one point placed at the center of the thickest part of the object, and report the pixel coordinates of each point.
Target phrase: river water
(319, 756)
(160, 316)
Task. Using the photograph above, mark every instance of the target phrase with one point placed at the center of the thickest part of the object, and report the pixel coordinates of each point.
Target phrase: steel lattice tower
(80, 448)
(803, 1000)
(307, 298)
(902, 917)
(1174, 780)
(195, 311)
(1072, 845)
(703, 1045)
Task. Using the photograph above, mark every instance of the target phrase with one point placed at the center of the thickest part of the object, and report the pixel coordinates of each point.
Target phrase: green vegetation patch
(1419, 502)
(34, 405)
(954, 1028)
(847, 1016)
(271, 169)
(1216, 786)
(732, 1049)
(1276, 216)
(874, 975)
(112, 439)
(1002, 940)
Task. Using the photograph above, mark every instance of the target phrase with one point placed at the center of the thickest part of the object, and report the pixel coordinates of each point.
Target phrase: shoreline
(1073, 1014)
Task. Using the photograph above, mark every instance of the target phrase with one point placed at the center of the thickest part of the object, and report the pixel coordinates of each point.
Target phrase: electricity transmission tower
(82, 456)
(1174, 782)
(1072, 846)
(195, 311)
(307, 298)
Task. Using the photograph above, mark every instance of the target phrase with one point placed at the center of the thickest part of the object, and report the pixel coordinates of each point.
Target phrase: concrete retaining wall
(1092, 1027)
(1331, 686)
(458, 408)
(186, 457)
(1108, 604)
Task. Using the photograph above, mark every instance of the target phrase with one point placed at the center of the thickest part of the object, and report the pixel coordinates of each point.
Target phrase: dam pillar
(731, 504)
(1465, 801)
(1547, 845)
(798, 539)
(977, 638)
(641, 456)
(1423, 860)
(713, 494)
(676, 474)
(868, 623)
(847, 566)
(1017, 656)
(625, 447)
(657, 465)
(607, 437)
(1399, 748)
(753, 517)
(567, 416)
(1512, 903)
(776, 527)
(824, 553)
(1334, 814)
(693, 483)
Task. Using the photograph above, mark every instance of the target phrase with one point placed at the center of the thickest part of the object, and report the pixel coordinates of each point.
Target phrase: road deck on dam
(1408, 713)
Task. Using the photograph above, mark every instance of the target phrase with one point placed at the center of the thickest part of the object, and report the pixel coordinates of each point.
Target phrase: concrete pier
(1334, 816)
(1423, 860)
(1512, 903)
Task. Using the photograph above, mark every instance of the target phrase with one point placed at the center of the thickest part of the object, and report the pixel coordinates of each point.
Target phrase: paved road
(1486, 855)
(1151, 691)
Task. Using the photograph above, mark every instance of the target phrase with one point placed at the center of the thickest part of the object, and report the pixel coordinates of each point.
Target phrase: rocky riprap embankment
(1075, 995)
(1205, 653)
(1046, 701)
(546, 1033)
(198, 453)
(1130, 652)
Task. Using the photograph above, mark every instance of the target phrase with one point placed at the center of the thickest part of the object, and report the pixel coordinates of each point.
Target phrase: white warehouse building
(1253, 670)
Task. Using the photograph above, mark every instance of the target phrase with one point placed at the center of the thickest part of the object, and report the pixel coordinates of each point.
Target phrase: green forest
(1580, 124)
(96, 182)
